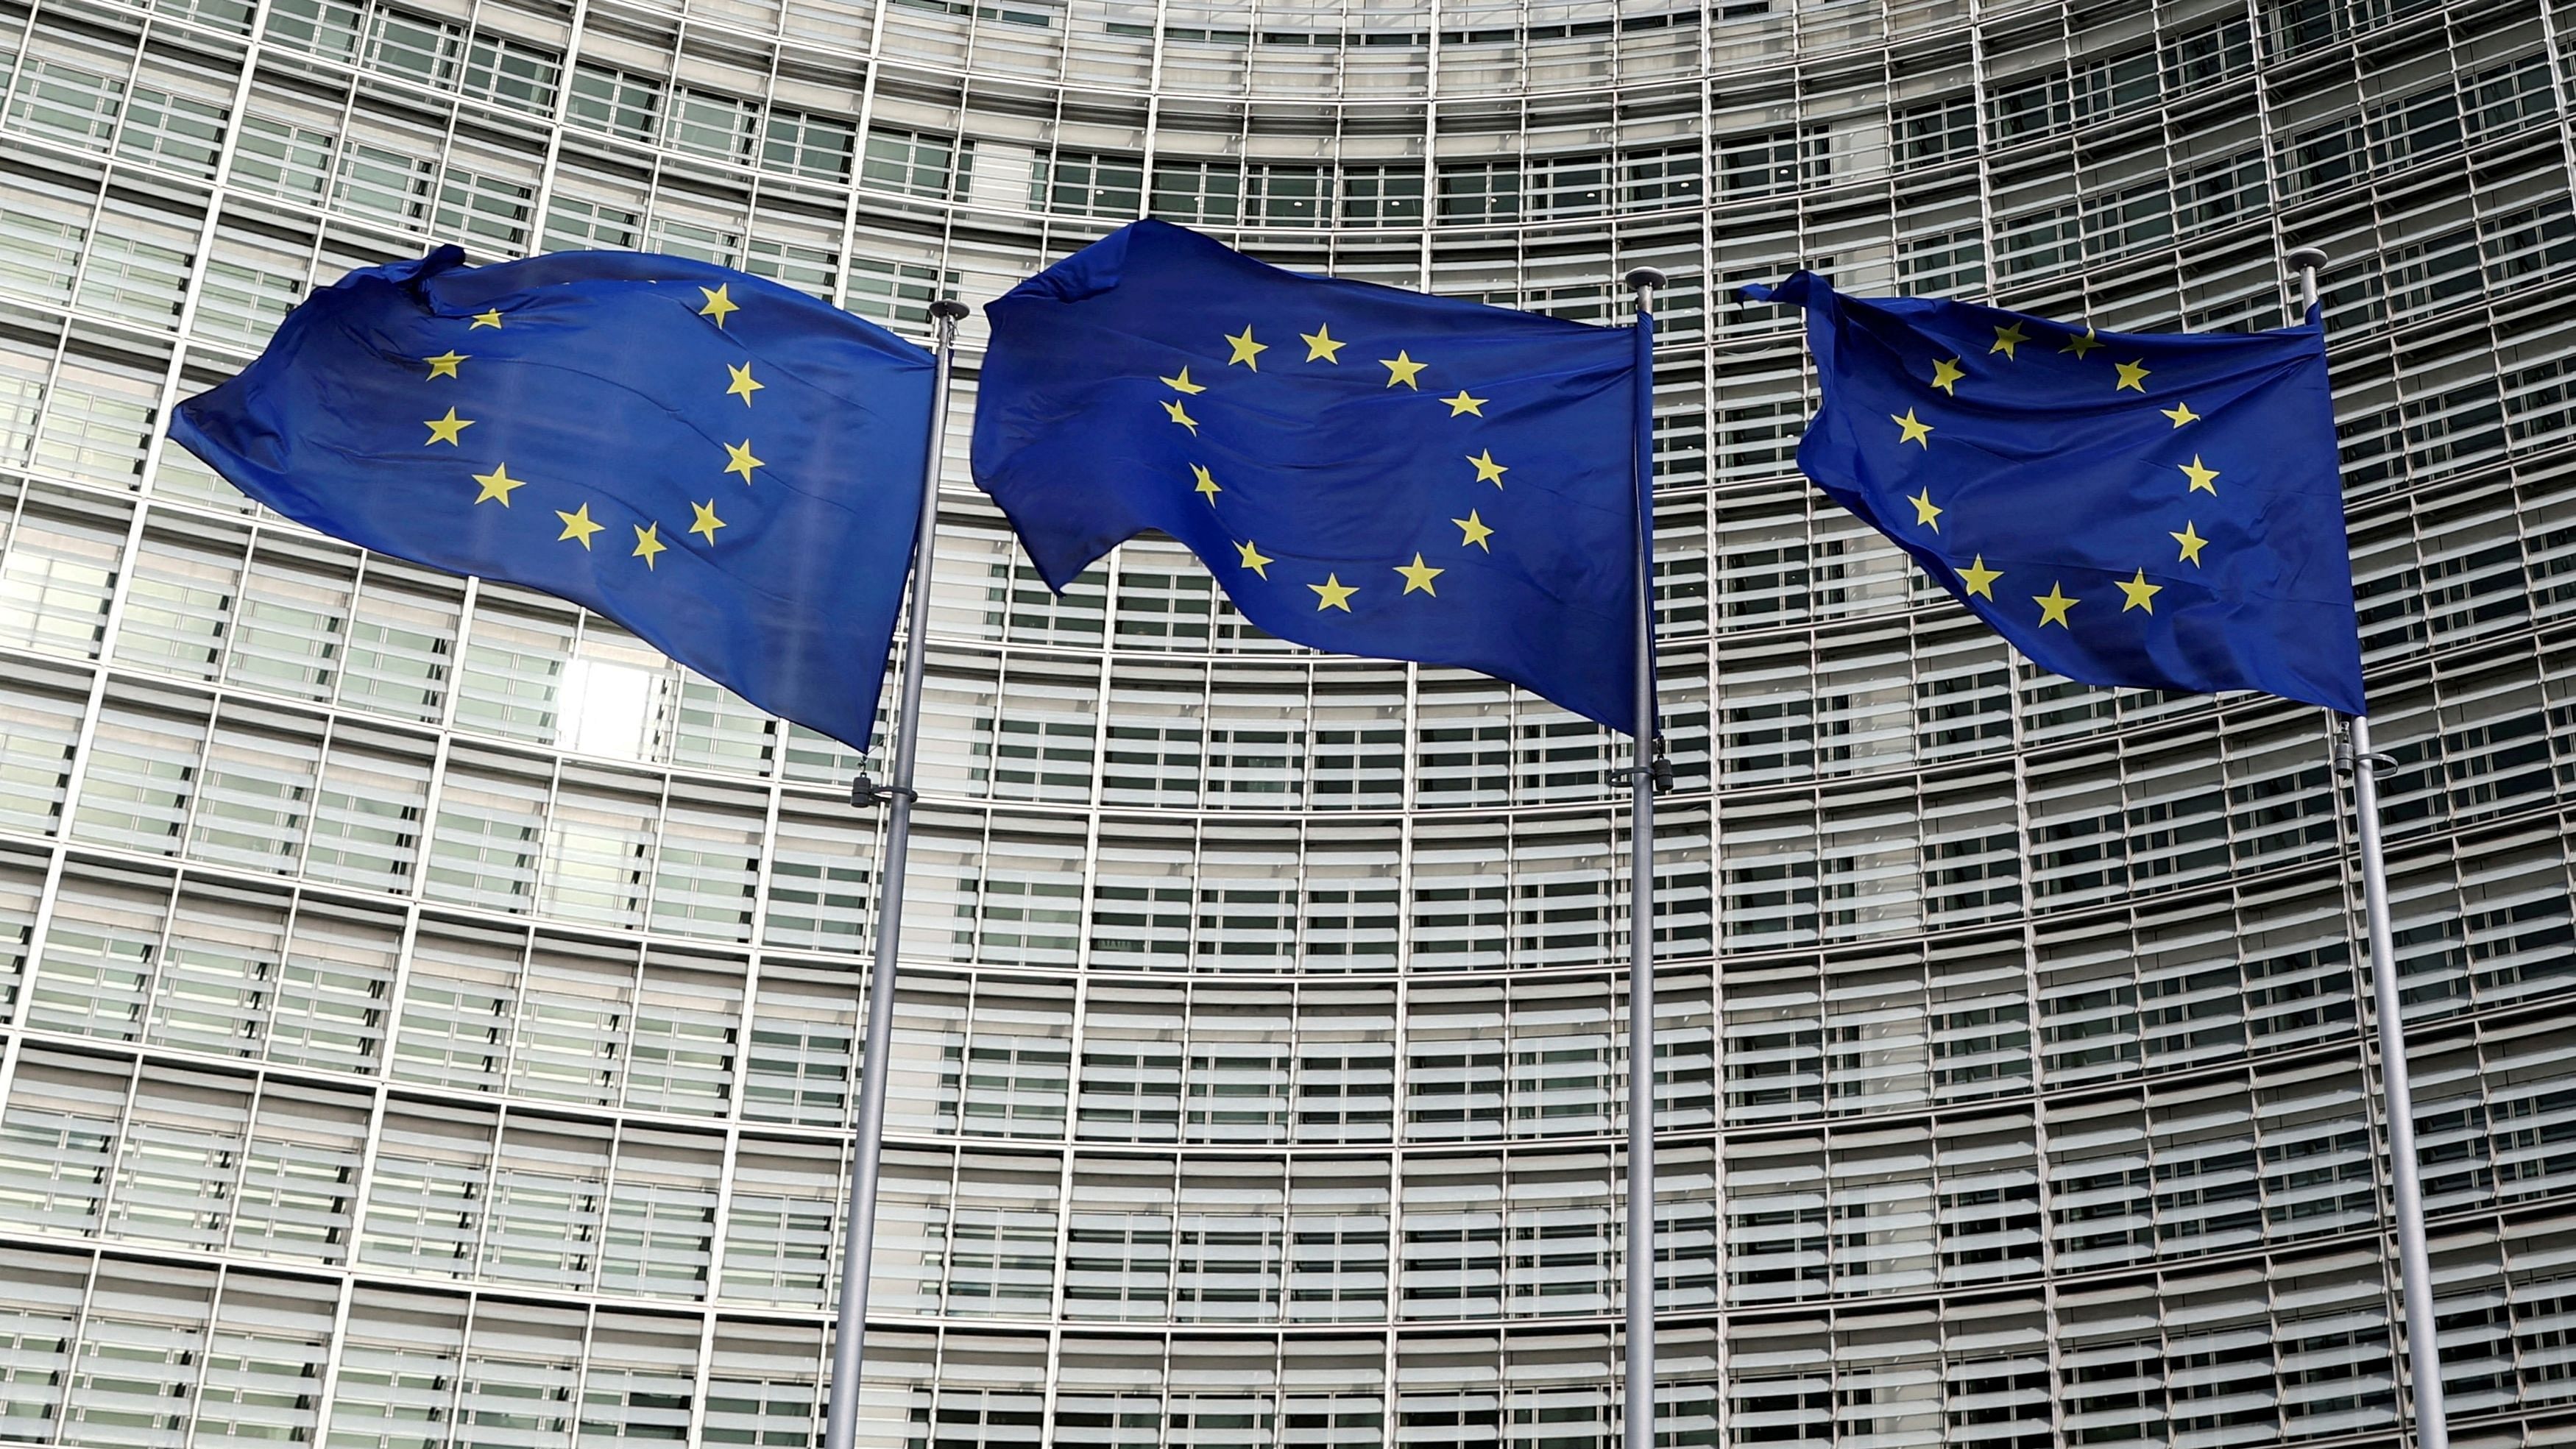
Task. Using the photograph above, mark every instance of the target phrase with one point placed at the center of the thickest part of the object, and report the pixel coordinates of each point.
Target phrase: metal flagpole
(859, 1228)
(2353, 756)
(1638, 1422)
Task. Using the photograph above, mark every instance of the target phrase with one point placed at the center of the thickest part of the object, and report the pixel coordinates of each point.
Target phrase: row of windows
(2216, 1164)
(128, 1351)
(2463, 230)
(2498, 231)
(318, 983)
(594, 847)
(2286, 1348)
(253, 789)
(1369, 53)
(398, 186)
(71, 92)
(1489, 48)
(386, 174)
(247, 786)
(2151, 213)
(2198, 43)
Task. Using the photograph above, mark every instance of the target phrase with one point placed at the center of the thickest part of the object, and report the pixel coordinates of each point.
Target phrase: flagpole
(1638, 1422)
(2353, 756)
(859, 1225)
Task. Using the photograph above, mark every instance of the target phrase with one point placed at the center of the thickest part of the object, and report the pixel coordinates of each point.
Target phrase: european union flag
(729, 468)
(1366, 470)
(2146, 510)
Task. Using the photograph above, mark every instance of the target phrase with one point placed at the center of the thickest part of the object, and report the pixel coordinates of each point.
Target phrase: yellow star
(2191, 542)
(2053, 606)
(1487, 470)
(1182, 416)
(1946, 375)
(1206, 484)
(1476, 531)
(738, 459)
(1182, 383)
(1418, 575)
(446, 429)
(487, 319)
(2142, 595)
(2181, 413)
(743, 386)
(2081, 343)
(720, 303)
(1332, 593)
(1912, 429)
(2203, 480)
(707, 522)
(1320, 346)
(497, 484)
(1462, 404)
(1402, 368)
(1245, 349)
(1254, 559)
(1926, 512)
(2008, 340)
(1981, 579)
(577, 525)
(444, 365)
(648, 543)
(2133, 376)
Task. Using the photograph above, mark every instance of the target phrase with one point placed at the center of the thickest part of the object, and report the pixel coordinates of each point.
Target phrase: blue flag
(1366, 470)
(2137, 509)
(729, 468)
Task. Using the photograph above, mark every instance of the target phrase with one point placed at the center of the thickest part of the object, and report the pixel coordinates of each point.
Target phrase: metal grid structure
(429, 1015)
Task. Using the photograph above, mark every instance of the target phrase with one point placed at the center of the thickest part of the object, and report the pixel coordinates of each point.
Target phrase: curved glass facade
(430, 1016)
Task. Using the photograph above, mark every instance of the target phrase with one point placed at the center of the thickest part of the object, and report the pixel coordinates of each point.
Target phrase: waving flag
(729, 468)
(1366, 470)
(2149, 510)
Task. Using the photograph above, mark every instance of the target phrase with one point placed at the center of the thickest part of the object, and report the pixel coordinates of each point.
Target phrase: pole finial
(1642, 279)
(2307, 262)
(948, 309)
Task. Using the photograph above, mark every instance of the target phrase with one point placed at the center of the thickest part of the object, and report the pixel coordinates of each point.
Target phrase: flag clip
(866, 793)
(1658, 770)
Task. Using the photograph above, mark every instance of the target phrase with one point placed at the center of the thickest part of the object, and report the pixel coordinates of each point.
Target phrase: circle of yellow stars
(2056, 606)
(1244, 350)
(579, 527)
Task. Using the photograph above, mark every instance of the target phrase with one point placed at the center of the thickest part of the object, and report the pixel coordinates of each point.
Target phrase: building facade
(429, 1016)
